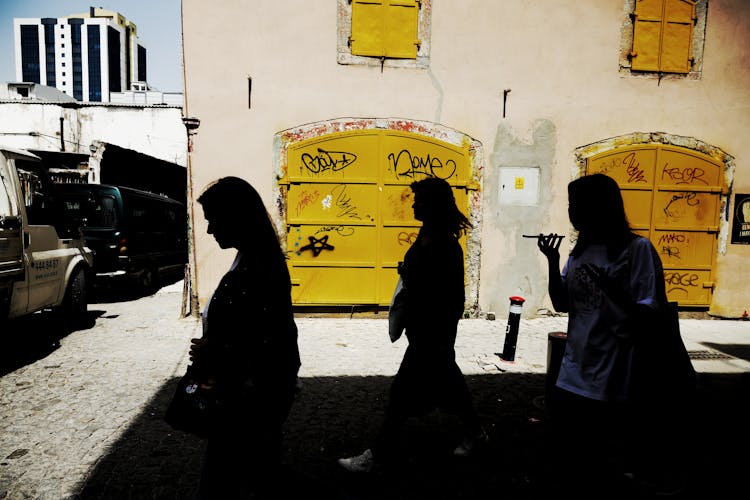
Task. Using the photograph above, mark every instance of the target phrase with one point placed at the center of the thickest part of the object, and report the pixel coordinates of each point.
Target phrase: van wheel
(75, 303)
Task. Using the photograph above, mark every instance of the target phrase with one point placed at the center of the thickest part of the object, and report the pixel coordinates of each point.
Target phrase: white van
(40, 268)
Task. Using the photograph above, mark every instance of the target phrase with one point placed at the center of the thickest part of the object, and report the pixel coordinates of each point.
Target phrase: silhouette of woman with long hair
(429, 378)
(612, 287)
(249, 346)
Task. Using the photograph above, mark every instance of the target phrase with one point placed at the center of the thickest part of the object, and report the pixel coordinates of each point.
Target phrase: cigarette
(542, 236)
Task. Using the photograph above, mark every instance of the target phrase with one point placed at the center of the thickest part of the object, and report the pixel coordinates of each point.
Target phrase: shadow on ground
(107, 291)
(339, 416)
(28, 339)
(741, 351)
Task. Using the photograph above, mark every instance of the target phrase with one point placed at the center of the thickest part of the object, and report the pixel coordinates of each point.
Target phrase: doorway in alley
(673, 196)
(348, 209)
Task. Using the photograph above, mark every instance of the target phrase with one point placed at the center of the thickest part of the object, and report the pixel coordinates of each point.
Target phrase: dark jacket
(251, 331)
(433, 275)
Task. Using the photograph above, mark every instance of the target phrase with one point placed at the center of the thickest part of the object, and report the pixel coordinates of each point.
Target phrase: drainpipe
(62, 139)
(190, 303)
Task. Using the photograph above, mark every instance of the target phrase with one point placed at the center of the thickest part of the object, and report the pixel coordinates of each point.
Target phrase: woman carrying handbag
(248, 351)
(432, 304)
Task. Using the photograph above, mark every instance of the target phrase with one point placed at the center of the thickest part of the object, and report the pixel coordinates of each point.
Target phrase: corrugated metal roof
(89, 104)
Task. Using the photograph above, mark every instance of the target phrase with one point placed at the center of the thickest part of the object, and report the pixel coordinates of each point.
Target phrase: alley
(81, 415)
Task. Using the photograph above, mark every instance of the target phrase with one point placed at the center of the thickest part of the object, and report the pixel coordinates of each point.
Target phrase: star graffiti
(317, 245)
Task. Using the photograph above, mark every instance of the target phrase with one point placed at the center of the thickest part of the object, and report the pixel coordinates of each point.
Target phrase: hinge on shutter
(692, 61)
(419, 4)
(349, 42)
(418, 43)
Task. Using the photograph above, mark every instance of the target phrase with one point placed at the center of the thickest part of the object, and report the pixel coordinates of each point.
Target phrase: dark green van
(136, 236)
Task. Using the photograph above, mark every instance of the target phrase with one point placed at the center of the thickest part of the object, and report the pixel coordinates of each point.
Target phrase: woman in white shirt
(612, 287)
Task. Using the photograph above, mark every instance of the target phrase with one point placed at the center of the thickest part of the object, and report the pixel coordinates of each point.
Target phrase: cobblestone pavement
(81, 412)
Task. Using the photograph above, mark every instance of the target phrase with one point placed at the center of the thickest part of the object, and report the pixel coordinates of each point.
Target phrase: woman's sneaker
(469, 445)
(360, 463)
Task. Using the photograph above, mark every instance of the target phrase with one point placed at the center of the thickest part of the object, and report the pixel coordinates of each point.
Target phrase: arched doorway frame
(285, 139)
(688, 145)
(583, 153)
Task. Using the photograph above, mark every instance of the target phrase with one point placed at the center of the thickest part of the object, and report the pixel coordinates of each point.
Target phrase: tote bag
(397, 312)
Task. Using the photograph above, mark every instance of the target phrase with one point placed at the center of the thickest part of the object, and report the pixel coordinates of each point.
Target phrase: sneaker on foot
(360, 463)
(470, 444)
(666, 484)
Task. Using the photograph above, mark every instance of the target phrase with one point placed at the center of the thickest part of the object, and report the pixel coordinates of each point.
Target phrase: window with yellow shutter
(384, 32)
(385, 28)
(664, 36)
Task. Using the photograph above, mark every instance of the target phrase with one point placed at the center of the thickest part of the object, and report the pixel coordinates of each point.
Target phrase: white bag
(397, 312)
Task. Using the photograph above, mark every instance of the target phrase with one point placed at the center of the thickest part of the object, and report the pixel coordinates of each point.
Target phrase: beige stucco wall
(560, 60)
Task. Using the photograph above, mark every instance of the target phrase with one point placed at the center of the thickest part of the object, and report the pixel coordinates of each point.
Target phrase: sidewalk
(85, 421)
(348, 373)
(347, 369)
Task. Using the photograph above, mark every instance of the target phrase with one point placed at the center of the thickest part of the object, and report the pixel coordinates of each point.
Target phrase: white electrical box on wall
(519, 186)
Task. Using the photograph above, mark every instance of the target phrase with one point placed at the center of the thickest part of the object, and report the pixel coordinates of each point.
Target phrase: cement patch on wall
(516, 268)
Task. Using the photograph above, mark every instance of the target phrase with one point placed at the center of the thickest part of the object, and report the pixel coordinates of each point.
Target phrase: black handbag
(662, 373)
(662, 370)
(195, 407)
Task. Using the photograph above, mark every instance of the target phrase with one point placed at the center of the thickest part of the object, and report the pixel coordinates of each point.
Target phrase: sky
(159, 30)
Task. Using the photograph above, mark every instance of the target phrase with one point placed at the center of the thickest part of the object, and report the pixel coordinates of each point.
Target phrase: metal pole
(62, 134)
(511, 331)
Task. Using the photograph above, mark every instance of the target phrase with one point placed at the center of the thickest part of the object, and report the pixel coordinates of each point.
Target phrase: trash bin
(555, 350)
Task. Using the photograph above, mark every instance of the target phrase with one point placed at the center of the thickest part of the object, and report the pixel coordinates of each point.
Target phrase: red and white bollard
(511, 331)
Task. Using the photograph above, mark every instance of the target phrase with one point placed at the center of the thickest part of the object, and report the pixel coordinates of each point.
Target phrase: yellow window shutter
(679, 17)
(385, 28)
(368, 27)
(401, 21)
(662, 35)
(647, 26)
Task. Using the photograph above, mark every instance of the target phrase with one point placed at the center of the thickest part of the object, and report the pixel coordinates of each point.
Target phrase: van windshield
(97, 210)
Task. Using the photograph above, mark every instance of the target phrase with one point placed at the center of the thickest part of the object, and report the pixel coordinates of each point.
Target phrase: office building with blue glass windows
(87, 56)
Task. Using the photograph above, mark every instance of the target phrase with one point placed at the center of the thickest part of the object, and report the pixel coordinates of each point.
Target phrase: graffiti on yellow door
(672, 196)
(349, 213)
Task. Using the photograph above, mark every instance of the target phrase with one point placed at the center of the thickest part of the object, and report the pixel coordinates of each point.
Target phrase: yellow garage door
(349, 218)
(672, 196)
